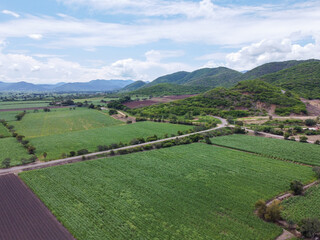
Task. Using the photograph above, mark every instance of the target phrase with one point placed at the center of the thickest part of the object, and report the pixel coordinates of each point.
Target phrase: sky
(51, 41)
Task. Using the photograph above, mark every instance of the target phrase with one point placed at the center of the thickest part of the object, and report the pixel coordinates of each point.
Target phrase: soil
(313, 107)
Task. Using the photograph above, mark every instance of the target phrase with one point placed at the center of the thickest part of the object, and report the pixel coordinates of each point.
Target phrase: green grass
(193, 191)
(10, 148)
(10, 115)
(300, 207)
(23, 104)
(62, 121)
(55, 145)
(293, 151)
(4, 131)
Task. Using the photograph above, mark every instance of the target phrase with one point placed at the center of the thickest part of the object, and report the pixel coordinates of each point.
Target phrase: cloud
(16, 15)
(21, 67)
(35, 36)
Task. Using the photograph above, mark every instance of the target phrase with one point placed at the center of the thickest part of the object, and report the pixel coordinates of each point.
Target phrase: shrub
(102, 148)
(310, 227)
(296, 187)
(129, 122)
(72, 153)
(112, 153)
(271, 213)
(6, 163)
(147, 147)
(82, 151)
(31, 149)
(317, 171)
(310, 122)
(207, 140)
(303, 139)
(317, 142)
(261, 208)
(152, 138)
(113, 112)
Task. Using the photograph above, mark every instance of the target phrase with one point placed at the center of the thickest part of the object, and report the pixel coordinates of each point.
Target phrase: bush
(113, 112)
(303, 139)
(317, 171)
(147, 147)
(102, 148)
(82, 151)
(310, 122)
(6, 163)
(129, 122)
(296, 187)
(72, 153)
(31, 149)
(310, 227)
(261, 208)
(317, 142)
(271, 213)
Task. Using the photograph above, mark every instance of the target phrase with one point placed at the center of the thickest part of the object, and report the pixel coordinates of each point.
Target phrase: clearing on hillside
(62, 121)
(56, 145)
(193, 191)
(289, 150)
(11, 148)
(24, 216)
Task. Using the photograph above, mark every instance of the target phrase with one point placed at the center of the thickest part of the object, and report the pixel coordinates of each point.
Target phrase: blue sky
(80, 40)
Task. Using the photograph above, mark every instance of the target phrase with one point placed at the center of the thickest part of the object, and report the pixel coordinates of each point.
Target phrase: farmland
(62, 121)
(293, 151)
(301, 207)
(23, 104)
(196, 191)
(24, 216)
(57, 144)
(10, 148)
(4, 131)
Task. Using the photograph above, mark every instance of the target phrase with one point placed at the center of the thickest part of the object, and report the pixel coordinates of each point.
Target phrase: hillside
(164, 89)
(304, 79)
(269, 68)
(252, 97)
(133, 86)
(206, 77)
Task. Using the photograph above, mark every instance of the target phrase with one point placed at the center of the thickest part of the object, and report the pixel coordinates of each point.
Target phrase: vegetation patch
(287, 150)
(196, 191)
(12, 149)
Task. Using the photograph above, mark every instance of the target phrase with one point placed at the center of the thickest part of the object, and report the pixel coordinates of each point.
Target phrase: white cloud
(20, 67)
(16, 15)
(35, 36)
(265, 51)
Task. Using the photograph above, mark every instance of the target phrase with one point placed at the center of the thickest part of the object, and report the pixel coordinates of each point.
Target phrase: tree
(303, 139)
(310, 122)
(6, 163)
(310, 227)
(273, 211)
(296, 187)
(261, 208)
(31, 149)
(113, 112)
(72, 153)
(45, 155)
(317, 171)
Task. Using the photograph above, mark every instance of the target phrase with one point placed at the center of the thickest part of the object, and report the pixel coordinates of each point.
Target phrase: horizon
(77, 41)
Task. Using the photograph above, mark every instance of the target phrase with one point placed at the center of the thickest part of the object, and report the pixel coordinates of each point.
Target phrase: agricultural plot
(24, 216)
(298, 208)
(193, 191)
(4, 131)
(23, 104)
(62, 121)
(55, 145)
(293, 151)
(10, 148)
(9, 116)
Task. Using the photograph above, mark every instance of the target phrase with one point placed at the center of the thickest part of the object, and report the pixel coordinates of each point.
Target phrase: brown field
(24, 216)
(155, 100)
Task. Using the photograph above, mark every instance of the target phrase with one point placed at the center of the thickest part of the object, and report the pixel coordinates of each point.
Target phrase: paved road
(17, 169)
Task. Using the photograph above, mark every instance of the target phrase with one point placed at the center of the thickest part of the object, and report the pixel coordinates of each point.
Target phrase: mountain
(303, 79)
(93, 86)
(133, 86)
(165, 89)
(205, 77)
(51, 86)
(22, 87)
(247, 98)
(269, 68)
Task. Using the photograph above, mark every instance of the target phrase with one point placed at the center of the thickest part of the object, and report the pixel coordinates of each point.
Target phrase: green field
(298, 208)
(193, 191)
(23, 104)
(10, 115)
(11, 148)
(294, 151)
(62, 121)
(57, 144)
(4, 131)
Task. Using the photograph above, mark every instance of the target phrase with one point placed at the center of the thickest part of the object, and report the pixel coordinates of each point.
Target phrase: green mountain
(133, 86)
(206, 77)
(165, 89)
(251, 97)
(303, 79)
(269, 68)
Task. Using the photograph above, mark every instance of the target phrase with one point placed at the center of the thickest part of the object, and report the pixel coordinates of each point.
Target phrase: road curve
(39, 165)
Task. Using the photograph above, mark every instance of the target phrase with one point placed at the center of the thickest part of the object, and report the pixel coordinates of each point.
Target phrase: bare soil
(24, 216)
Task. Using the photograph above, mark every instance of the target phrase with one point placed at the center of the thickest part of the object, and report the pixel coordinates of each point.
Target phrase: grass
(4, 131)
(193, 191)
(293, 151)
(62, 121)
(298, 208)
(23, 104)
(10, 148)
(9, 116)
(57, 144)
